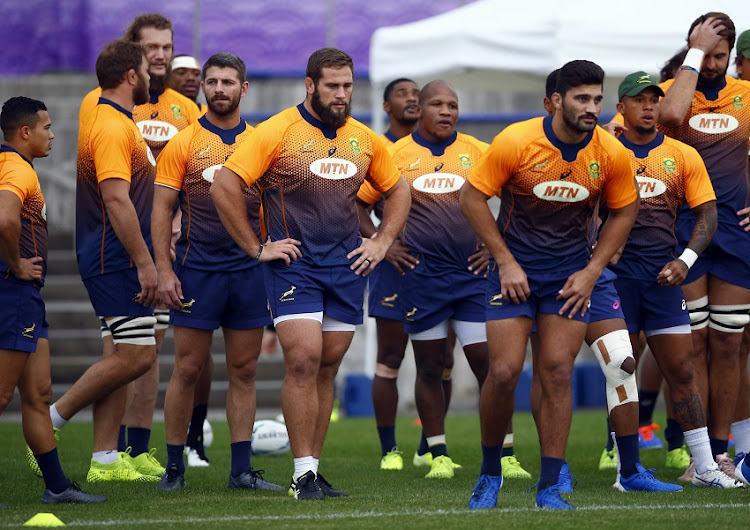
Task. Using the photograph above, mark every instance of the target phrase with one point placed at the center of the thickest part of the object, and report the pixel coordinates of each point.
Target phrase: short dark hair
(18, 112)
(671, 67)
(551, 84)
(578, 73)
(147, 20)
(327, 58)
(226, 60)
(390, 86)
(728, 32)
(116, 59)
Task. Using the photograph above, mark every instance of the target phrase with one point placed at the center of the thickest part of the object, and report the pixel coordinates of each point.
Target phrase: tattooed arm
(675, 271)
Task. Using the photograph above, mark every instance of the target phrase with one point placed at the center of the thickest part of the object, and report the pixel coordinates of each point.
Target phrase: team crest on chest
(464, 160)
(176, 111)
(594, 169)
(737, 102)
(355, 146)
(670, 166)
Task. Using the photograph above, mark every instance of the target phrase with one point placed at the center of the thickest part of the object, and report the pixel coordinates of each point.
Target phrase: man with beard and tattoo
(550, 174)
(114, 193)
(707, 110)
(201, 287)
(310, 161)
(185, 78)
(649, 272)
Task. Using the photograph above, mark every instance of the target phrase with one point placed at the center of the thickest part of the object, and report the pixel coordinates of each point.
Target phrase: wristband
(689, 69)
(688, 257)
(260, 251)
(694, 59)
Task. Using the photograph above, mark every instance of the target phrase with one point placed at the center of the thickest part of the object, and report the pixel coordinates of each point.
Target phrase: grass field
(377, 499)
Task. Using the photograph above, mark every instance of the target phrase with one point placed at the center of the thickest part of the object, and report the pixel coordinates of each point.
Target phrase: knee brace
(729, 318)
(132, 330)
(162, 318)
(385, 371)
(698, 310)
(612, 350)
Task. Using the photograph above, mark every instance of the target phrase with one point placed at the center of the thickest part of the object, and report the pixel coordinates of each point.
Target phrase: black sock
(646, 404)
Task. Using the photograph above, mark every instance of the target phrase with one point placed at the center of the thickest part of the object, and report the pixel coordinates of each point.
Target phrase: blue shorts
(648, 305)
(543, 298)
(115, 294)
(22, 315)
(384, 288)
(302, 288)
(429, 298)
(213, 299)
(727, 256)
(605, 301)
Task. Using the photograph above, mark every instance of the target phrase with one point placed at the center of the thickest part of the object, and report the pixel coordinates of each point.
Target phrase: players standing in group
(185, 78)
(310, 160)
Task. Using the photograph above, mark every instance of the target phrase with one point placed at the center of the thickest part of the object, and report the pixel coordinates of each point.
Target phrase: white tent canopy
(501, 45)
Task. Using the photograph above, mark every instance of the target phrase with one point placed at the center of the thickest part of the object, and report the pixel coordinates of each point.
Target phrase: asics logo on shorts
(497, 299)
(410, 314)
(29, 332)
(615, 305)
(187, 306)
(684, 304)
(389, 301)
(287, 296)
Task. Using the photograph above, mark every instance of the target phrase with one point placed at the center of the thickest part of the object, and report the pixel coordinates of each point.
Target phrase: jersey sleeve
(368, 194)
(172, 161)
(383, 173)
(495, 166)
(257, 153)
(619, 188)
(87, 106)
(20, 182)
(698, 187)
(111, 149)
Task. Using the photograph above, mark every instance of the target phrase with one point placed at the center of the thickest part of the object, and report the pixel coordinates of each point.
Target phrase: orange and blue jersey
(435, 172)
(717, 125)
(110, 146)
(188, 164)
(309, 175)
(18, 176)
(669, 174)
(549, 191)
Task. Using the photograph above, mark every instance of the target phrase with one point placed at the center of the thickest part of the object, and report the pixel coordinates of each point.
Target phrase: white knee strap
(162, 318)
(698, 310)
(612, 350)
(729, 318)
(132, 330)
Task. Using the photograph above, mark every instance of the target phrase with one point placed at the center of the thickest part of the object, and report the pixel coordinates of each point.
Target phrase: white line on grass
(373, 515)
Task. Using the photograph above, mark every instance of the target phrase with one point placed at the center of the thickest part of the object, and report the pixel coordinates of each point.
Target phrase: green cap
(743, 44)
(636, 83)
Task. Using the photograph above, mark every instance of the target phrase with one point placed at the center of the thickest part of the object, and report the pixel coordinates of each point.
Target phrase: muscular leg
(391, 347)
(428, 390)
(35, 388)
(143, 391)
(649, 387)
(450, 345)
(699, 358)
(243, 349)
(13, 363)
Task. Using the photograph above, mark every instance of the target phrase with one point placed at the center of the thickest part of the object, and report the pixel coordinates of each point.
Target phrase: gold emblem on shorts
(389, 301)
(29, 332)
(287, 296)
(497, 299)
(187, 306)
(410, 314)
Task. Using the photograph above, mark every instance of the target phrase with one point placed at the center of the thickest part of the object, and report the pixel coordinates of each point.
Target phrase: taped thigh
(729, 318)
(698, 310)
(132, 330)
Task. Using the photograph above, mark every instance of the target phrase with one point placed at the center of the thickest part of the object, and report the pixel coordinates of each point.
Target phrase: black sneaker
(252, 480)
(305, 487)
(327, 489)
(173, 480)
(72, 494)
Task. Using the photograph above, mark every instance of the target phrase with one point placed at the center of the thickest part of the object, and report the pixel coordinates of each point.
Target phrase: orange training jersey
(309, 174)
(717, 125)
(669, 174)
(18, 176)
(549, 191)
(110, 146)
(188, 164)
(436, 227)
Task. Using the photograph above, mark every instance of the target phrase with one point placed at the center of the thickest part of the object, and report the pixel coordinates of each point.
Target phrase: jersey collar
(154, 96)
(436, 148)
(8, 149)
(328, 132)
(104, 101)
(569, 151)
(711, 93)
(228, 136)
(392, 137)
(642, 151)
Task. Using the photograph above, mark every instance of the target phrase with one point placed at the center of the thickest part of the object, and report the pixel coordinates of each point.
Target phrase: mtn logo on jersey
(29, 332)
(156, 131)
(560, 191)
(210, 172)
(649, 187)
(438, 183)
(287, 296)
(714, 123)
(44, 211)
(333, 168)
(389, 301)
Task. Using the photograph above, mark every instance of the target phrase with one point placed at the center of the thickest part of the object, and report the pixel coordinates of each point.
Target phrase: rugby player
(24, 346)
(185, 78)
(550, 173)
(706, 109)
(213, 282)
(310, 160)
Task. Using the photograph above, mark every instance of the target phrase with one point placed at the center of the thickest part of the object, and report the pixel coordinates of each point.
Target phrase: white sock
(303, 465)
(105, 457)
(58, 422)
(316, 463)
(508, 440)
(435, 440)
(741, 433)
(700, 448)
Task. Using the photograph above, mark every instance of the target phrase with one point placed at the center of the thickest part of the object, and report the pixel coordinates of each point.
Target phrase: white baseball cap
(185, 61)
